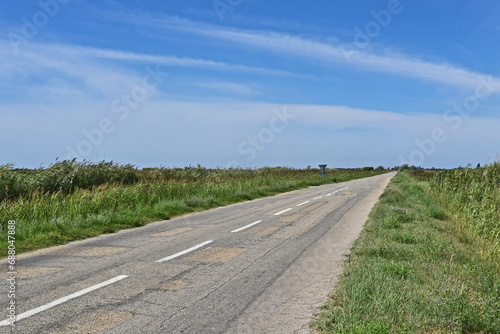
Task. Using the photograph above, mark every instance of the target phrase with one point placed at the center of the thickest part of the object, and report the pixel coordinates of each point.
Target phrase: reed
(74, 200)
(473, 196)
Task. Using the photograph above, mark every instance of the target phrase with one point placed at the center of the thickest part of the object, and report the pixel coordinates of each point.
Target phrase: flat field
(70, 201)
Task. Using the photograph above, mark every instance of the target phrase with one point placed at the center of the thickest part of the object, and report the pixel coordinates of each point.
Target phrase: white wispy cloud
(65, 71)
(227, 87)
(383, 61)
(50, 70)
(319, 131)
(127, 56)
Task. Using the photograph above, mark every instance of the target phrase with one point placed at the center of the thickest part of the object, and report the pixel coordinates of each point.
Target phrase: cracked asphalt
(269, 277)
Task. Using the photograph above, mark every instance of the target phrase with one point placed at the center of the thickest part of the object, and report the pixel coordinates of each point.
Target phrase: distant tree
(404, 167)
(380, 168)
(478, 165)
(368, 168)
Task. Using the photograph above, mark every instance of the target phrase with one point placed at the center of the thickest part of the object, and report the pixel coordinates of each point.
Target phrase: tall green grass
(473, 196)
(65, 177)
(71, 200)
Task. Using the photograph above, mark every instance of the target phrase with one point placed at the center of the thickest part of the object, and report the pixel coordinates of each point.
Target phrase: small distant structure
(323, 171)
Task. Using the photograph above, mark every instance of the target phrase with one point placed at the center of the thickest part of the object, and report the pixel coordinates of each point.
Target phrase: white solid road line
(247, 226)
(279, 213)
(168, 258)
(318, 197)
(63, 300)
(303, 203)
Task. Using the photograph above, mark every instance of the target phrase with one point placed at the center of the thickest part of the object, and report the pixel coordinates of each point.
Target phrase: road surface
(262, 266)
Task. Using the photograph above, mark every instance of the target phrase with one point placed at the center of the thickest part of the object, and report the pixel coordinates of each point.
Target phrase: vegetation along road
(427, 259)
(221, 270)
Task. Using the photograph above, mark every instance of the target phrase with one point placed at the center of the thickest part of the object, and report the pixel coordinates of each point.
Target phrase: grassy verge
(70, 201)
(414, 270)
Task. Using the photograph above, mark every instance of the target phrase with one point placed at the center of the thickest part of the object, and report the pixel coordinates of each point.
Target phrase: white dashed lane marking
(246, 226)
(279, 213)
(63, 300)
(168, 258)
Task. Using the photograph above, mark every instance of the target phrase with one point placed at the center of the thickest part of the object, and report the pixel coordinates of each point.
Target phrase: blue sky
(250, 83)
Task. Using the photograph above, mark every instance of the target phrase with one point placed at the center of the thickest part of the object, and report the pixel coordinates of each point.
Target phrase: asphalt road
(262, 266)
